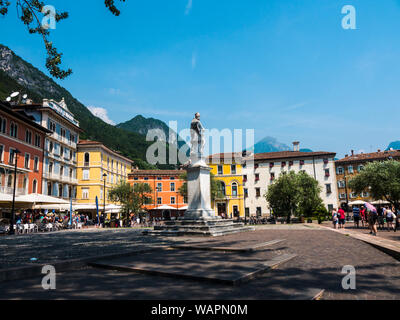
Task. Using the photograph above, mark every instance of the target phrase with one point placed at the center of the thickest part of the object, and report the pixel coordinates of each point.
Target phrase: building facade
(96, 162)
(165, 185)
(18, 132)
(352, 165)
(260, 171)
(230, 173)
(59, 171)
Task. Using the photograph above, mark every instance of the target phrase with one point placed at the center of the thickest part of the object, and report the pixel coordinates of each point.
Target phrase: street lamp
(104, 195)
(12, 231)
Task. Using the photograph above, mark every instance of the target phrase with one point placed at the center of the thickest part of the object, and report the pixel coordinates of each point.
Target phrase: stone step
(195, 232)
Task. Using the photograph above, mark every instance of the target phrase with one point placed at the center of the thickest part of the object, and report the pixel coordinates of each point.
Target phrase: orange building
(166, 200)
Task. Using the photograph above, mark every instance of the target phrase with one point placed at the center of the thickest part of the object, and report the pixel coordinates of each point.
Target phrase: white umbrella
(165, 207)
(357, 202)
(40, 198)
(380, 202)
(55, 206)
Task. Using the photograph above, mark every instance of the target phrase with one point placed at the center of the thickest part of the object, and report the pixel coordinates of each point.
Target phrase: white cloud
(189, 7)
(114, 91)
(102, 114)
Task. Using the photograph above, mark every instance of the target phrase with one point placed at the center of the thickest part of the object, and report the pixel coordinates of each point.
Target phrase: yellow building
(229, 172)
(96, 162)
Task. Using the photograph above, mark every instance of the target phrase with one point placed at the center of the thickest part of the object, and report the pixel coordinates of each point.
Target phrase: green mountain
(142, 125)
(17, 74)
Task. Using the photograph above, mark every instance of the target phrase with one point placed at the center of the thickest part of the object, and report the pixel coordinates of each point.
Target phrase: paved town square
(319, 256)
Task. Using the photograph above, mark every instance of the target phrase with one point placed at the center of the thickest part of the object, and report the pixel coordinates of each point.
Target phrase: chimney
(352, 152)
(379, 150)
(296, 146)
(346, 155)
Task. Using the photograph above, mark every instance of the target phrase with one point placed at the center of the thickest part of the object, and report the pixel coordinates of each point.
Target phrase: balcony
(61, 178)
(8, 190)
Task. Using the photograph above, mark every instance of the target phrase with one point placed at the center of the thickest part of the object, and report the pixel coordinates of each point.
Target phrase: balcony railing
(8, 190)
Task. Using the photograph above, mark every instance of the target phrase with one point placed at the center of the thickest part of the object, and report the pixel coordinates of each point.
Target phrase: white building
(266, 167)
(59, 162)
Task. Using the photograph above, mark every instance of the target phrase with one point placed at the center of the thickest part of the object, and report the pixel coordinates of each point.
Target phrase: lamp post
(347, 196)
(104, 195)
(12, 231)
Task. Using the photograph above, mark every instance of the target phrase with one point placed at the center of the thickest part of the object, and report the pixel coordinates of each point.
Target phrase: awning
(183, 208)
(165, 207)
(5, 197)
(55, 206)
(40, 198)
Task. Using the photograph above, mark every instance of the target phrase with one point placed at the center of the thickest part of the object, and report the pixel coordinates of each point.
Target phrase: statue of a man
(197, 135)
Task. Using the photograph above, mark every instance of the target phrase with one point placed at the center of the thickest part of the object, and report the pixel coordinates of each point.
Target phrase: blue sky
(285, 68)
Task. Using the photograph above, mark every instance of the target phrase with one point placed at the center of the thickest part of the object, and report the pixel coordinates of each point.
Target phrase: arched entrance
(166, 215)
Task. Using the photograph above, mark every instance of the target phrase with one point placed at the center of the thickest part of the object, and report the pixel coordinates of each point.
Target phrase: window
(159, 178)
(353, 195)
(52, 126)
(223, 188)
(11, 156)
(49, 189)
(258, 211)
(246, 193)
(245, 178)
(283, 164)
(28, 136)
(172, 186)
(3, 125)
(146, 178)
(327, 174)
(34, 186)
(220, 170)
(85, 194)
(172, 200)
(51, 167)
(271, 164)
(62, 132)
(87, 159)
(172, 178)
(10, 181)
(258, 193)
(290, 163)
(339, 170)
(247, 212)
(1, 153)
(27, 160)
(37, 141)
(302, 162)
(136, 178)
(14, 130)
(360, 168)
(272, 176)
(326, 161)
(257, 176)
(256, 166)
(61, 171)
(328, 188)
(159, 187)
(234, 189)
(159, 200)
(350, 169)
(51, 146)
(233, 169)
(341, 184)
(342, 196)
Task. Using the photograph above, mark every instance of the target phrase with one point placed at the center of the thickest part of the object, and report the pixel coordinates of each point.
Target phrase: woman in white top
(390, 217)
(335, 218)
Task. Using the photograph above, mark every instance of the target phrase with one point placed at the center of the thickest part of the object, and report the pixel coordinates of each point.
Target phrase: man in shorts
(356, 216)
(342, 218)
(372, 219)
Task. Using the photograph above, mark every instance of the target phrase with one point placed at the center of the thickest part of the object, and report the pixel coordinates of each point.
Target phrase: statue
(197, 138)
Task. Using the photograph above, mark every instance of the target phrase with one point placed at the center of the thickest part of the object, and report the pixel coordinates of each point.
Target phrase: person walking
(397, 221)
(342, 218)
(363, 215)
(372, 219)
(381, 219)
(390, 217)
(335, 218)
(356, 216)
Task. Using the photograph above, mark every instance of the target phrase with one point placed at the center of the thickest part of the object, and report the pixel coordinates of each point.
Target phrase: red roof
(156, 172)
(373, 156)
(291, 154)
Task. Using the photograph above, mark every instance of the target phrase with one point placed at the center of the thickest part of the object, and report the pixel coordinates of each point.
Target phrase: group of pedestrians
(373, 219)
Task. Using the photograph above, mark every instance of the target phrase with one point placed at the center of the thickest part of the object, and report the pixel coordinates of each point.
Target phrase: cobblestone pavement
(57, 246)
(321, 257)
(391, 235)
